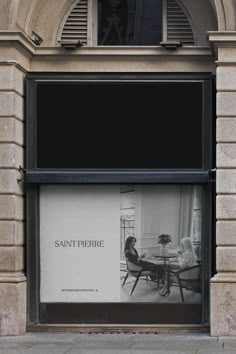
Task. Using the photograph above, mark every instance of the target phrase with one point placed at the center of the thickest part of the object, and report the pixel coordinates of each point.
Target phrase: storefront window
(119, 197)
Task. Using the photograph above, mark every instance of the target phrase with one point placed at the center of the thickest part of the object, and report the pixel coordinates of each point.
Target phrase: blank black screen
(120, 125)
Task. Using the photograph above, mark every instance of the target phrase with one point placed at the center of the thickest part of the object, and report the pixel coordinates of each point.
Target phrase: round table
(165, 257)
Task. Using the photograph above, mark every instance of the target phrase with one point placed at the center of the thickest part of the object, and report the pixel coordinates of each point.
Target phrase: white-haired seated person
(186, 258)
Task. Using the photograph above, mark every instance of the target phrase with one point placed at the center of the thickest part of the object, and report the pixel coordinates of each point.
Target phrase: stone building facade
(19, 55)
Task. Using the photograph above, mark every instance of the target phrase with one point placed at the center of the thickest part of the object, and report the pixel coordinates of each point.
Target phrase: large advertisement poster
(79, 244)
(125, 243)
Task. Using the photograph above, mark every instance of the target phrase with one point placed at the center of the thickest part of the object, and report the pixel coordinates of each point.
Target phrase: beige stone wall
(12, 280)
(223, 285)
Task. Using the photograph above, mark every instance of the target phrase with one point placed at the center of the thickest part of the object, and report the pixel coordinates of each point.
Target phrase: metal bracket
(171, 45)
(70, 44)
(22, 172)
(212, 175)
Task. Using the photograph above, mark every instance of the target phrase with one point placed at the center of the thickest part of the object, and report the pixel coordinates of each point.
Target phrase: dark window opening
(129, 22)
(120, 125)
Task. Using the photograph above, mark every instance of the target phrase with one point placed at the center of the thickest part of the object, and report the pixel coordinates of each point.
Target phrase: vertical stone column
(223, 284)
(12, 279)
(14, 56)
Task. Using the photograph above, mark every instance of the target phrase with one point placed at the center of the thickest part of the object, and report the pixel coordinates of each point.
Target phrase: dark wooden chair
(186, 278)
(139, 273)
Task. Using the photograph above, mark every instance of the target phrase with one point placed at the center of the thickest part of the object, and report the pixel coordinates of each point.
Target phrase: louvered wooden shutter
(76, 24)
(178, 26)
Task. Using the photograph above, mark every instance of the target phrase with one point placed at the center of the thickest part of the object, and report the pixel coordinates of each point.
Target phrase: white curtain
(185, 211)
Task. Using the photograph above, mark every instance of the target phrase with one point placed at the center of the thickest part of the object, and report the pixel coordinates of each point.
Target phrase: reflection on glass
(129, 22)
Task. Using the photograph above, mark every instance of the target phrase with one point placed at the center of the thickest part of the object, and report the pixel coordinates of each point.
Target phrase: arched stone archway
(34, 14)
(45, 17)
(226, 10)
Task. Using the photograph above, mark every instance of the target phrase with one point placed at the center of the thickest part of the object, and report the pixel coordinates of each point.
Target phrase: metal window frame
(34, 177)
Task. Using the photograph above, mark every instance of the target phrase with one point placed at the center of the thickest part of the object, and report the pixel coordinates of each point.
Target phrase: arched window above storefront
(131, 22)
(128, 23)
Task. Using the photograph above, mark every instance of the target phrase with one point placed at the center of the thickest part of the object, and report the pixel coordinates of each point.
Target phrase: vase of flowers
(164, 240)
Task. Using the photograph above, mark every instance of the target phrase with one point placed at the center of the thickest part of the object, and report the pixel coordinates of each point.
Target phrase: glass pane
(121, 244)
(129, 22)
(121, 125)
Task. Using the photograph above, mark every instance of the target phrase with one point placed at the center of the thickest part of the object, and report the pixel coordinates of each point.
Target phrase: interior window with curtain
(129, 22)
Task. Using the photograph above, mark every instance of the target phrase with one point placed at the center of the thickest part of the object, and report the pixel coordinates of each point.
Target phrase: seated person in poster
(186, 258)
(132, 255)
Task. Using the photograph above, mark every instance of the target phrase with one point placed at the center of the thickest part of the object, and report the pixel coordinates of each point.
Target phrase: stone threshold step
(118, 328)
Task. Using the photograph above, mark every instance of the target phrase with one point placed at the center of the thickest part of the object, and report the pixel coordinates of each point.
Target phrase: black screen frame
(34, 174)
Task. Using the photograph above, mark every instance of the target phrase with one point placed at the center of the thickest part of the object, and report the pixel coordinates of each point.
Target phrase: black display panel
(119, 125)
